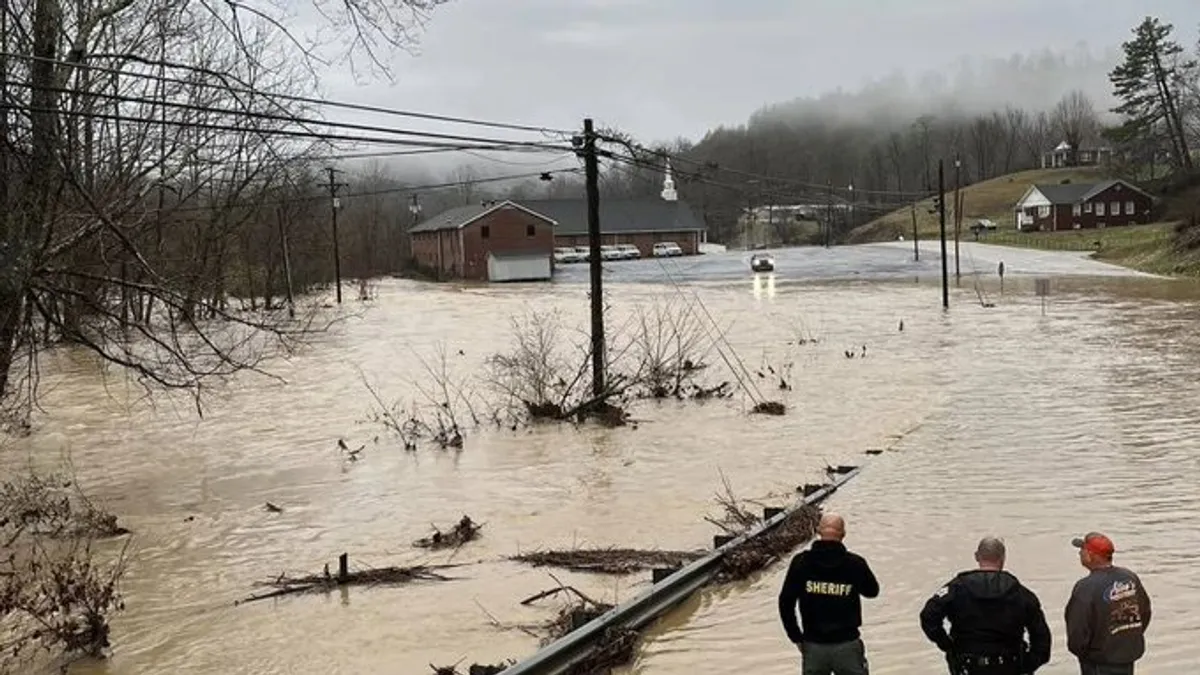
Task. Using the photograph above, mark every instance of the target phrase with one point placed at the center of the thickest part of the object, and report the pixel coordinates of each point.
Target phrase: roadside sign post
(1042, 289)
(1000, 271)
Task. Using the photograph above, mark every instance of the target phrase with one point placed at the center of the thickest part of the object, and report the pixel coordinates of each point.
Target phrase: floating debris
(464, 531)
(756, 554)
(473, 669)
(316, 583)
(272, 508)
(608, 560)
(769, 408)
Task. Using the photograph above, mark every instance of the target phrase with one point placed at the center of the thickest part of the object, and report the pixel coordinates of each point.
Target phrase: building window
(1115, 208)
(1077, 209)
(1043, 211)
(530, 230)
(485, 232)
(1129, 208)
(1099, 208)
(1087, 208)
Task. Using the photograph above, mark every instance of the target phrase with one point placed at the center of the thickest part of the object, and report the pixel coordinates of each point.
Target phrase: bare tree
(1075, 119)
(150, 176)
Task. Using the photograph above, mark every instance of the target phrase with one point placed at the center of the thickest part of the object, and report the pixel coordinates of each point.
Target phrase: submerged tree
(1148, 83)
(151, 167)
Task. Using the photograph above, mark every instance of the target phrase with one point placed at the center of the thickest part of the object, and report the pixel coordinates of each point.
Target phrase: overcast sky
(667, 68)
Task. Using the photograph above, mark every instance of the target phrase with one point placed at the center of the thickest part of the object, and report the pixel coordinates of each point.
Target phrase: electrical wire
(368, 193)
(292, 133)
(277, 96)
(273, 117)
(712, 166)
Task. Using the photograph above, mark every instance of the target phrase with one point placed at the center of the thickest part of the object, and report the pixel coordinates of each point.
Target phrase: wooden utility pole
(829, 214)
(591, 172)
(957, 216)
(287, 262)
(916, 247)
(333, 219)
(942, 225)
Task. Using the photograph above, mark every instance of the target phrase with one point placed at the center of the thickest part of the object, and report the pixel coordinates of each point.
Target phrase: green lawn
(1148, 248)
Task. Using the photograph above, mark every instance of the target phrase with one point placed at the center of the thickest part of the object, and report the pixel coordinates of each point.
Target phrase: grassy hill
(992, 199)
(1168, 247)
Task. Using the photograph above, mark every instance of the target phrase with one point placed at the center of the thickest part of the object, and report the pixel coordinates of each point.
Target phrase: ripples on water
(1032, 427)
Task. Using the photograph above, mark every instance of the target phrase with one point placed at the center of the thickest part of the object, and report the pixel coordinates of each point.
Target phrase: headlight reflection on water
(764, 286)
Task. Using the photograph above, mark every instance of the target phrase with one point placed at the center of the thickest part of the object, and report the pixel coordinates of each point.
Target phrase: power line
(373, 193)
(493, 143)
(713, 166)
(282, 97)
(277, 118)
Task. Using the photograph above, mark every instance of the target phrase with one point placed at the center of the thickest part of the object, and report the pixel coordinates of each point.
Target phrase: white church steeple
(668, 191)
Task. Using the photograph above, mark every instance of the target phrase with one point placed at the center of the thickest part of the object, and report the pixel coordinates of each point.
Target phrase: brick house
(1081, 206)
(641, 222)
(492, 241)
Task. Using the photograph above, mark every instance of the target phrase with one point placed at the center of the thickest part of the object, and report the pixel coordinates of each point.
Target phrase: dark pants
(842, 658)
(1105, 669)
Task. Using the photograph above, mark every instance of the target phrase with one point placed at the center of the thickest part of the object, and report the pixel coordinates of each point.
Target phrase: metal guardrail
(636, 613)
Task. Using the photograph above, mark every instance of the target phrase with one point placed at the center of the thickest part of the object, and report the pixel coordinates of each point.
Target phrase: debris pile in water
(756, 554)
(326, 581)
(464, 531)
(608, 560)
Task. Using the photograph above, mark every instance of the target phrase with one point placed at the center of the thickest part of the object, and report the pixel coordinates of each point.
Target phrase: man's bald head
(831, 528)
(990, 553)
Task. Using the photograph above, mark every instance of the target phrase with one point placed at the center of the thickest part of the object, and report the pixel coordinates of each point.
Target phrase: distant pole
(829, 215)
(942, 226)
(287, 262)
(591, 170)
(957, 216)
(337, 253)
(916, 248)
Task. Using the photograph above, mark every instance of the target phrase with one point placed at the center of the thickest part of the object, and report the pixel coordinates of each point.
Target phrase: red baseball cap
(1094, 542)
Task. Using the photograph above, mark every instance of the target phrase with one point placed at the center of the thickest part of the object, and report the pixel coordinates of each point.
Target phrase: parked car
(567, 254)
(666, 249)
(611, 253)
(585, 253)
(630, 252)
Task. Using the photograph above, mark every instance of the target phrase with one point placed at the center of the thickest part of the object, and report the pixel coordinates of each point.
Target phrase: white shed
(518, 266)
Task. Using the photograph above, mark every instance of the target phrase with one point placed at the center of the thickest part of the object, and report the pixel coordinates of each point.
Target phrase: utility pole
(957, 216)
(942, 224)
(337, 253)
(591, 171)
(287, 262)
(916, 248)
(829, 213)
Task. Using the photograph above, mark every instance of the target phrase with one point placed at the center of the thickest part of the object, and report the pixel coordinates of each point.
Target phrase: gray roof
(461, 216)
(1065, 194)
(1072, 193)
(618, 215)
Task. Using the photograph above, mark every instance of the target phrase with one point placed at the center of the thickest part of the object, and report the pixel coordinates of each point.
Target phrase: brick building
(492, 241)
(1074, 206)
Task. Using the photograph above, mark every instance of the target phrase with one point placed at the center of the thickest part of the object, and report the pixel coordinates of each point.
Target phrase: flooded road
(1028, 426)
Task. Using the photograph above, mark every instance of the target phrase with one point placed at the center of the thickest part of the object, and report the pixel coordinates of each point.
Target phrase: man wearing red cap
(1108, 612)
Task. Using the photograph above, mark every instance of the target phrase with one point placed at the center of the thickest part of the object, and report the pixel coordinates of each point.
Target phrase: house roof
(618, 215)
(460, 217)
(1071, 193)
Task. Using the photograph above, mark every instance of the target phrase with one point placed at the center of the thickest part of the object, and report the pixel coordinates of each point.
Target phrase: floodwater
(1000, 420)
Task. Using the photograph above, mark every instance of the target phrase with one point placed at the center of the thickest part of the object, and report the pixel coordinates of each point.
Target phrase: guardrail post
(659, 573)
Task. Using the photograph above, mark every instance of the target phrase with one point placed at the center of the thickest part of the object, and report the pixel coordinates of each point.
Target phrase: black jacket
(826, 582)
(989, 614)
(1107, 617)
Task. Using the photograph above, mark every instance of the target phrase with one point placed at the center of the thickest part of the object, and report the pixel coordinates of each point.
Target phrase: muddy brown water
(1028, 426)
